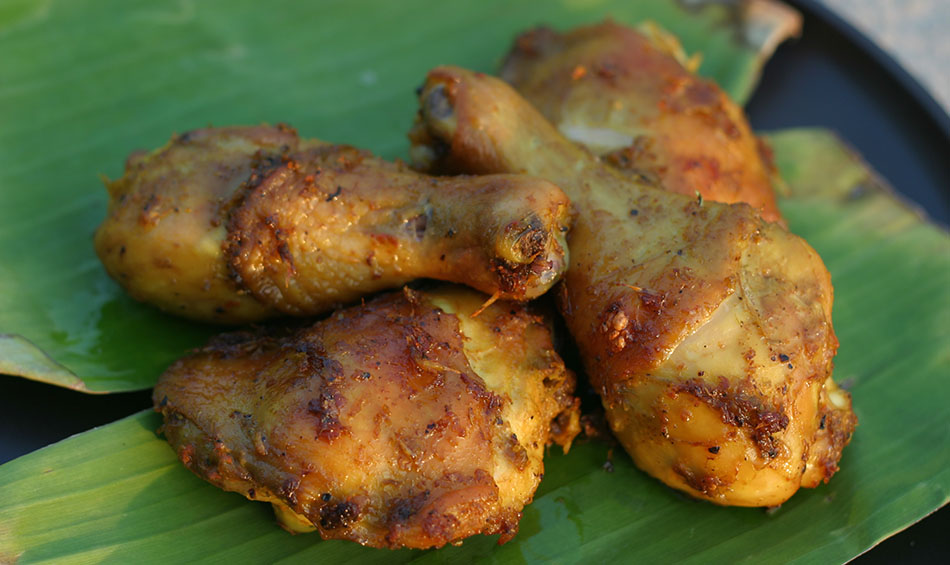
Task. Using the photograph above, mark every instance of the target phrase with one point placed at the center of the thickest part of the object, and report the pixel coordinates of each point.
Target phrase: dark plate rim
(887, 63)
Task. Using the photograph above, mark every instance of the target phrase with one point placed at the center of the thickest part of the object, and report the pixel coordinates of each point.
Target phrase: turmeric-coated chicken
(705, 329)
(239, 224)
(404, 422)
(625, 94)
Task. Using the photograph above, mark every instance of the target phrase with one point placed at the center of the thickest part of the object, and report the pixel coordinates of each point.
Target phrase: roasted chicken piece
(238, 224)
(405, 422)
(628, 95)
(706, 330)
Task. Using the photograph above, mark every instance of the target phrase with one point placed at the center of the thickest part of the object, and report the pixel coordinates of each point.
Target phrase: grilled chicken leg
(626, 94)
(706, 330)
(406, 422)
(243, 223)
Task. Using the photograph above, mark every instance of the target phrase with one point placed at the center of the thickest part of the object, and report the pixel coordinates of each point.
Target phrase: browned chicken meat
(706, 330)
(239, 224)
(626, 94)
(405, 422)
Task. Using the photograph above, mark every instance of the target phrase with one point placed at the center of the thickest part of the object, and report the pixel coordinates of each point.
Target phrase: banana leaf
(84, 82)
(118, 494)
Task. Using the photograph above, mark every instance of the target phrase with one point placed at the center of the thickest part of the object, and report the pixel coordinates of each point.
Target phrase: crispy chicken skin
(239, 224)
(625, 94)
(706, 330)
(405, 422)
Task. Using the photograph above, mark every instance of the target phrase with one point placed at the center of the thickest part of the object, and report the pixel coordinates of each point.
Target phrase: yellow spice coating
(706, 330)
(406, 422)
(240, 224)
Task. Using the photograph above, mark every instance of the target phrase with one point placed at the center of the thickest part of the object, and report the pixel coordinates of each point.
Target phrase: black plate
(832, 77)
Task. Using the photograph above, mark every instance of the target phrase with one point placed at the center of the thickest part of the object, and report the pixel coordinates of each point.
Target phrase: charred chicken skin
(405, 422)
(706, 330)
(625, 94)
(239, 224)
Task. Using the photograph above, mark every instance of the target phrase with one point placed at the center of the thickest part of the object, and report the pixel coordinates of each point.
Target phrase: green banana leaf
(83, 83)
(118, 494)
